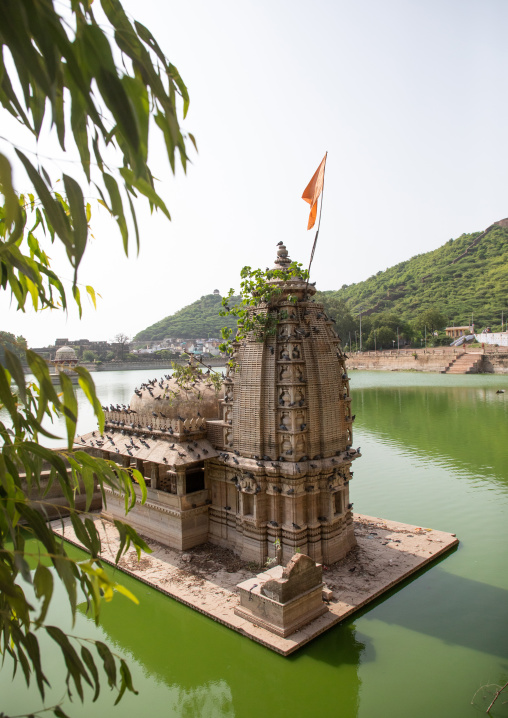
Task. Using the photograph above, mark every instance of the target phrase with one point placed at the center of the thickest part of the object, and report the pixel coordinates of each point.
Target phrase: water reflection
(209, 670)
(455, 425)
(452, 606)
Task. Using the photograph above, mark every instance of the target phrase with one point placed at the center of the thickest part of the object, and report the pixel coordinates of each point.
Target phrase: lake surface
(435, 454)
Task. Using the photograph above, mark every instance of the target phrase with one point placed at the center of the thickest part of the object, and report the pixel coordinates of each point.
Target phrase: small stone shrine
(282, 600)
(64, 362)
(261, 463)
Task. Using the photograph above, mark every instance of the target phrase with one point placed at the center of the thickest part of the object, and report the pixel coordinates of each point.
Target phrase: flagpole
(319, 224)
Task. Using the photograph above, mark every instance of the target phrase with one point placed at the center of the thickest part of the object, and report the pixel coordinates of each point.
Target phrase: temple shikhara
(262, 465)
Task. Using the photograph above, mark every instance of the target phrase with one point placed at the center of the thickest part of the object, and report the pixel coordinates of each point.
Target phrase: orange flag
(313, 190)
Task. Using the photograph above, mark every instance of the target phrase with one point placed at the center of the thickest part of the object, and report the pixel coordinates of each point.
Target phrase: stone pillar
(311, 508)
(180, 482)
(154, 474)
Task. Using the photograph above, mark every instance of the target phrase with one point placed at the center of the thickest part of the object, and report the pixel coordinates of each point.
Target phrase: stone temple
(261, 466)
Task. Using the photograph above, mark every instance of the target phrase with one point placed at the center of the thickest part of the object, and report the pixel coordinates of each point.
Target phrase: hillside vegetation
(200, 319)
(466, 275)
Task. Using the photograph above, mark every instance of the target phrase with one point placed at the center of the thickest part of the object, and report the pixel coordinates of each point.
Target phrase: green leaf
(147, 37)
(108, 662)
(89, 662)
(59, 712)
(125, 592)
(53, 209)
(117, 208)
(78, 215)
(6, 397)
(101, 201)
(11, 203)
(91, 292)
(141, 482)
(43, 586)
(69, 408)
(146, 189)
(137, 92)
(173, 72)
(134, 221)
(88, 481)
(95, 540)
(87, 384)
(120, 106)
(75, 666)
(80, 531)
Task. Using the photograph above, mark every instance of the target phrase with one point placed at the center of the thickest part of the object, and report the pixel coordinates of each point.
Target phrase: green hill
(465, 275)
(200, 319)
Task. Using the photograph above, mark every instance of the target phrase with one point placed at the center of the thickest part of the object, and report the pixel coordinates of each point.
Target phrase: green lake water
(435, 454)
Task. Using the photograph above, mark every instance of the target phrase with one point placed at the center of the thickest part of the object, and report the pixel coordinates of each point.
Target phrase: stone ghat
(429, 360)
(387, 553)
(492, 360)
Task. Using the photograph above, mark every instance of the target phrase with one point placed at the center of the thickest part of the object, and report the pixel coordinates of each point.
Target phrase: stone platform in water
(387, 553)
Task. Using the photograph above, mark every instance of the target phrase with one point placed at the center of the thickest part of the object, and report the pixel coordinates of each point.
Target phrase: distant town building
(456, 332)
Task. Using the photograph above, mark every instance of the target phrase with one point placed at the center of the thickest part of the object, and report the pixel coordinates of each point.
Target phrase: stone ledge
(388, 552)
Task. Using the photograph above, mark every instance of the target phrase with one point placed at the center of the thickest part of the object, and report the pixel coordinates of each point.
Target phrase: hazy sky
(408, 98)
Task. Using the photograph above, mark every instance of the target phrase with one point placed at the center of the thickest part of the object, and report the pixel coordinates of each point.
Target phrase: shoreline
(439, 360)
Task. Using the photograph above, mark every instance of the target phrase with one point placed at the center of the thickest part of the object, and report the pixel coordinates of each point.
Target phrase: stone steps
(466, 363)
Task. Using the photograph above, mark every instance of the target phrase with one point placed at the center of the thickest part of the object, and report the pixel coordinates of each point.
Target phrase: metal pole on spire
(319, 221)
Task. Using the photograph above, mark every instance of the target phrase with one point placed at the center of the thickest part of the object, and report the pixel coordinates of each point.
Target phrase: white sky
(408, 97)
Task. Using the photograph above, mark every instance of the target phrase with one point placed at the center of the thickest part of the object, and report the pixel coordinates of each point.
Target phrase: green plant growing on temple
(258, 289)
(102, 82)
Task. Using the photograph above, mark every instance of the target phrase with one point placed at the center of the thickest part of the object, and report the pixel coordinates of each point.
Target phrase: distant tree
(89, 355)
(165, 355)
(122, 340)
(110, 356)
(16, 345)
(384, 338)
(432, 318)
(339, 310)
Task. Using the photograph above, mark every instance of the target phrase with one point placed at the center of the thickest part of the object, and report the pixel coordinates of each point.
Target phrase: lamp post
(398, 340)
(361, 309)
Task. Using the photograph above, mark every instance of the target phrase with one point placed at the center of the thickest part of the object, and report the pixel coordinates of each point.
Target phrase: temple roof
(66, 354)
(176, 453)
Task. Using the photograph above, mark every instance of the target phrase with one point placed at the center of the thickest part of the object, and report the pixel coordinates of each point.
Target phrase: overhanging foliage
(101, 94)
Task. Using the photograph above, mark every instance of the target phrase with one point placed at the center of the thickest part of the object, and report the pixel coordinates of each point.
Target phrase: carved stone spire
(283, 260)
